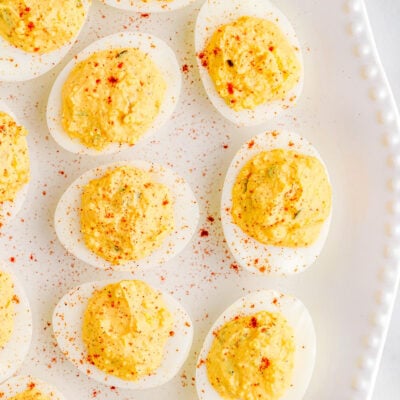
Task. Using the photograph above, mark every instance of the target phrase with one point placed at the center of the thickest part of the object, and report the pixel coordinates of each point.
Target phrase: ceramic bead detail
(379, 93)
(346, 112)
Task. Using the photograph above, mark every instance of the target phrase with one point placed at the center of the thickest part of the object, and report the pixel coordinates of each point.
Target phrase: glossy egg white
(19, 384)
(186, 215)
(161, 54)
(67, 324)
(151, 6)
(10, 209)
(15, 350)
(298, 318)
(215, 13)
(252, 255)
(19, 65)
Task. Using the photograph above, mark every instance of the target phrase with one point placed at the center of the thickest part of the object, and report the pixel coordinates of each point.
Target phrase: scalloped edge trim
(388, 280)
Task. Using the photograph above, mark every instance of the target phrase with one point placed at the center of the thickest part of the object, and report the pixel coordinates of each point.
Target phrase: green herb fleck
(81, 114)
(121, 53)
(296, 214)
(271, 171)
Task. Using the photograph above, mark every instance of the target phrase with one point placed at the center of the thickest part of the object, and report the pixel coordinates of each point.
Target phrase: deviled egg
(112, 93)
(249, 59)
(148, 6)
(127, 215)
(28, 387)
(262, 347)
(15, 324)
(35, 35)
(14, 165)
(276, 204)
(123, 333)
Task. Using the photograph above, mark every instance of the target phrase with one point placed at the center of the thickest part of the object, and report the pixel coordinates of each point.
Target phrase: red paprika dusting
(109, 99)
(31, 25)
(225, 146)
(251, 144)
(201, 362)
(165, 202)
(185, 68)
(12, 259)
(31, 385)
(230, 88)
(120, 65)
(235, 267)
(265, 363)
(98, 81)
(211, 218)
(203, 233)
(271, 48)
(113, 80)
(172, 333)
(253, 322)
(202, 57)
(145, 15)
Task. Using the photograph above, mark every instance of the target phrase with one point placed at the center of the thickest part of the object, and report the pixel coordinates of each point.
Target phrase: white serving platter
(346, 110)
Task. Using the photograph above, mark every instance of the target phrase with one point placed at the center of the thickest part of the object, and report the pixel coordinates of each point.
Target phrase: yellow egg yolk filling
(251, 62)
(282, 198)
(40, 26)
(113, 96)
(30, 394)
(125, 215)
(125, 329)
(14, 159)
(7, 299)
(252, 357)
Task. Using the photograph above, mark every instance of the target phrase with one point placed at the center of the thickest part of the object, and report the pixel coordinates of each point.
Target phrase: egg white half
(10, 209)
(19, 65)
(19, 384)
(152, 6)
(162, 55)
(215, 13)
(186, 216)
(15, 350)
(248, 252)
(298, 318)
(68, 322)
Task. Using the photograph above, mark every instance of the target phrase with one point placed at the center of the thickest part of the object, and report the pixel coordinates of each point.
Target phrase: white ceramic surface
(346, 111)
(384, 15)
